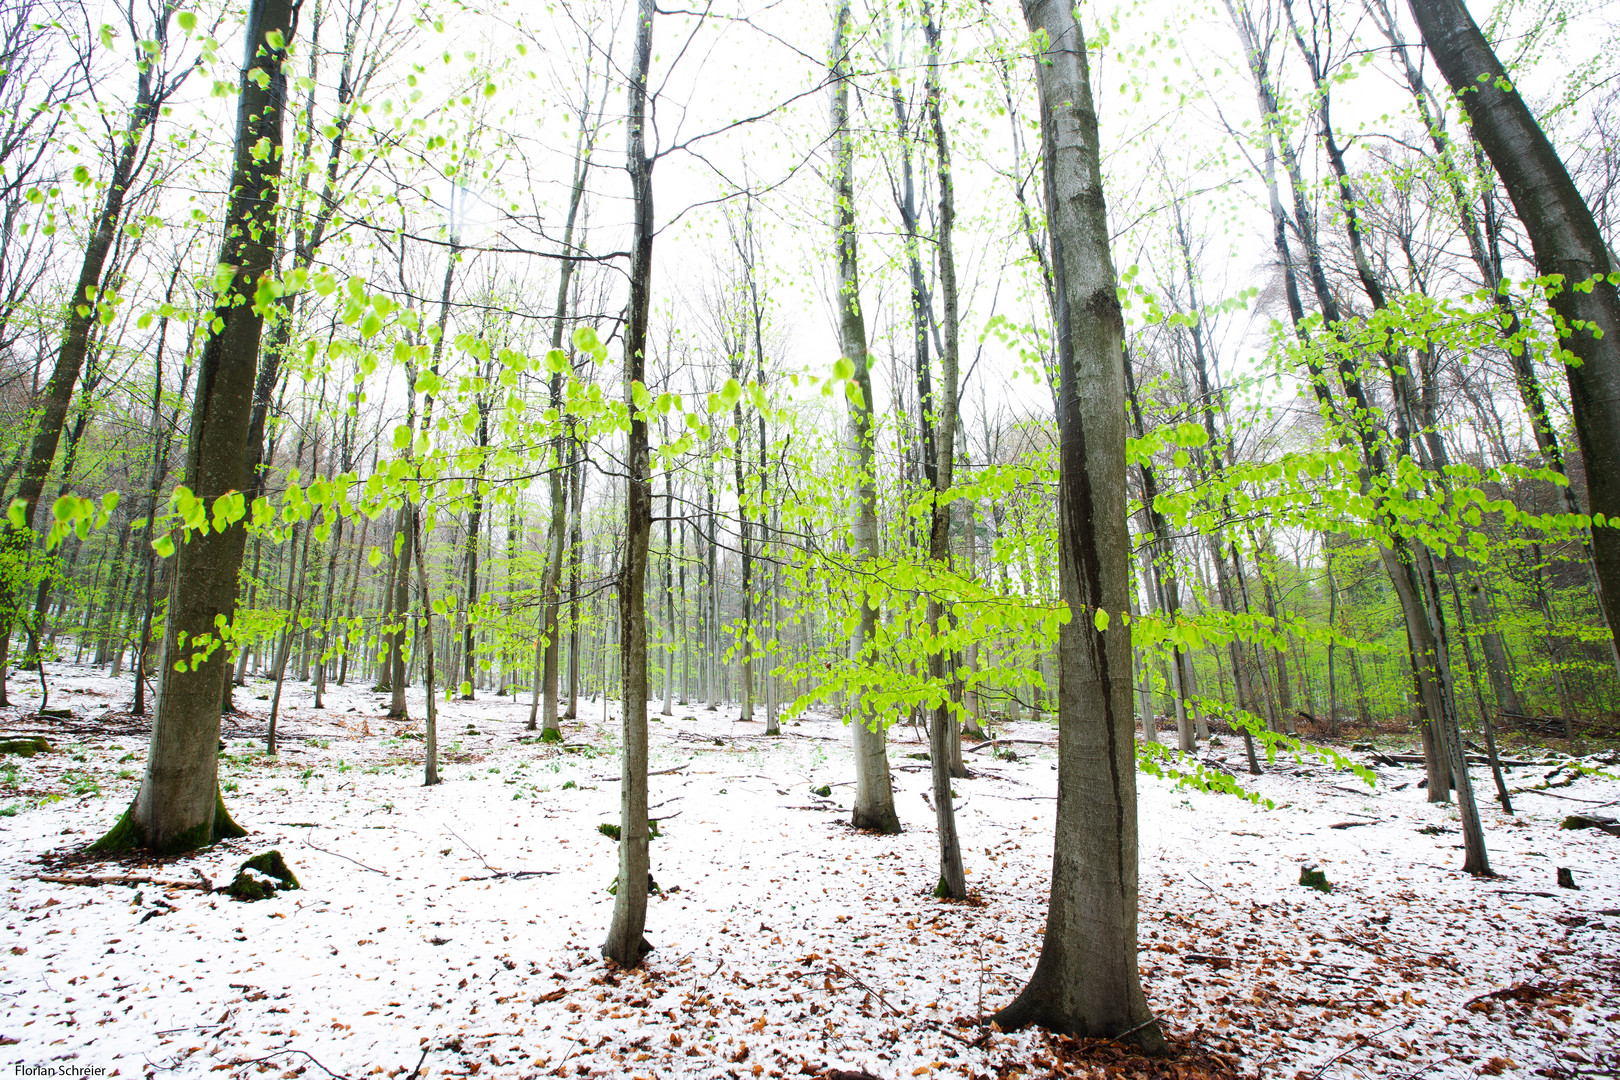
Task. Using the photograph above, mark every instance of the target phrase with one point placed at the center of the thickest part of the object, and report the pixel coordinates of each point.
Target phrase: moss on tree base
(126, 836)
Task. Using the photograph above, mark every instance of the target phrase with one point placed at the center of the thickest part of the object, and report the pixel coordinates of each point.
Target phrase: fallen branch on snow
(203, 885)
(356, 862)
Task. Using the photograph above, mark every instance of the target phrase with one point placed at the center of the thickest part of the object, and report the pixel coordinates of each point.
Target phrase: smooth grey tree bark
(939, 414)
(430, 739)
(874, 790)
(625, 944)
(179, 806)
(1086, 982)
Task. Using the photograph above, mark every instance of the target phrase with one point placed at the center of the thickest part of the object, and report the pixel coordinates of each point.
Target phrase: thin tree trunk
(669, 589)
(576, 542)
(293, 568)
(424, 640)
(625, 944)
(398, 676)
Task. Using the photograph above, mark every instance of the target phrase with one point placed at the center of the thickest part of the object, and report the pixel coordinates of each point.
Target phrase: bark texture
(874, 791)
(1086, 982)
(178, 806)
(625, 944)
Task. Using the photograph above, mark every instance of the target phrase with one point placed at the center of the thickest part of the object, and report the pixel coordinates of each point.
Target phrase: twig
(973, 1043)
(513, 874)
(1134, 1030)
(318, 1065)
(425, 1051)
(1365, 1039)
(660, 772)
(1426, 1068)
(1019, 798)
(61, 879)
(1555, 795)
(868, 989)
(472, 849)
(356, 862)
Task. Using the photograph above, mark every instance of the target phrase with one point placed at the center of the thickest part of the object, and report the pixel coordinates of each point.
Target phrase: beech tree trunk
(398, 676)
(179, 806)
(874, 791)
(625, 944)
(939, 424)
(1085, 982)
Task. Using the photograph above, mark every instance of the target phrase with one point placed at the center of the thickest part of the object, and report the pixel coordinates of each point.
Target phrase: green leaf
(585, 340)
(164, 546)
(17, 514)
(188, 21)
(1100, 619)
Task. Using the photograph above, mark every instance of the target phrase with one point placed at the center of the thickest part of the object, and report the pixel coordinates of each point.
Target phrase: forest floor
(786, 944)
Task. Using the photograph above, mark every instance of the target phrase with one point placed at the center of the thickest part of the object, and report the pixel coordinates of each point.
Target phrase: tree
(160, 77)
(939, 423)
(179, 806)
(1571, 258)
(625, 944)
(1086, 982)
(874, 792)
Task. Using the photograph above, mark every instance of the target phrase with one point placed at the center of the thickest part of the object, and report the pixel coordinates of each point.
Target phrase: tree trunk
(398, 676)
(669, 591)
(179, 806)
(294, 566)
(424, 639)
(625, 944)
(874, 792)
(475, 523)
(1086, 981)
(576, 542)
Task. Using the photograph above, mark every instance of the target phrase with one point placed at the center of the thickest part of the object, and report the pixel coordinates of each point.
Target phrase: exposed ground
(786, 944)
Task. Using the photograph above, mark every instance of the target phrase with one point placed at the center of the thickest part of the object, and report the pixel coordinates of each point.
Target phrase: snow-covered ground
(783, 940)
